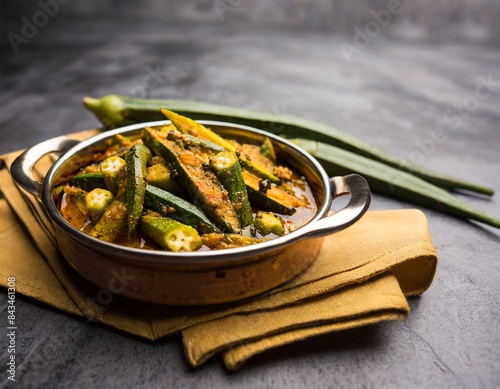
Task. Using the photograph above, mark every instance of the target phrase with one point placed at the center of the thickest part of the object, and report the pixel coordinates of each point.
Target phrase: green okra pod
(96, 201)
(228, 171)
(167, 204)
(267, 149)
(136, 160)
(188, 140)
(393, 182)
(268, 223)
(114, 110)
(112, 222)
(218, 240)
(270, 197)
(170, 234)
(88, 181)
(201, 183)
(160, 176)
(110, 170)
(188, 126)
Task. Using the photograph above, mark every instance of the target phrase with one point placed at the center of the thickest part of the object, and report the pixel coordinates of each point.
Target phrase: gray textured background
(283, 57)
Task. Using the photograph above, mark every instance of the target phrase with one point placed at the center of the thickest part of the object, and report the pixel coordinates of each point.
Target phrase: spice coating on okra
(228, 171)
(206, 200)
(201, 183)
(136, 160)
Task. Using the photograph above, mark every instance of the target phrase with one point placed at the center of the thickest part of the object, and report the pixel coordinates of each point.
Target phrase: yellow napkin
(361, 277)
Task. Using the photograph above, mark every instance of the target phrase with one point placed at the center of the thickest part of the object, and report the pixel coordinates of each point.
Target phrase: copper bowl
(195, 278)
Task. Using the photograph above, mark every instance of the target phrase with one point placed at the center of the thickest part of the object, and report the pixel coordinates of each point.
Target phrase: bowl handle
(358, 188)
(22, 167)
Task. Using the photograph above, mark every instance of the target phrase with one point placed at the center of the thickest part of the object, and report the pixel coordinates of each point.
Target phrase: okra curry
(183, 187)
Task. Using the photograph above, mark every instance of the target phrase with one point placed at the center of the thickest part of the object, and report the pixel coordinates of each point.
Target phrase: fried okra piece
(136, 160)
(170, 234)
(268, 223)
(228, 170)
(96, 201)
(110, 169)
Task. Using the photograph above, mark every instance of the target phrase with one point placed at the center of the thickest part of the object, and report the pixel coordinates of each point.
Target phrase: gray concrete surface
(393, 93)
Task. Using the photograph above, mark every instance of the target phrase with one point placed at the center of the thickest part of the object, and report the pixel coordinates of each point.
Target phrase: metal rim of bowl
(164, 257)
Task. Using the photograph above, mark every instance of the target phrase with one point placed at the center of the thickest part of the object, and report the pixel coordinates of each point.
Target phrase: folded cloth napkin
(360, 277)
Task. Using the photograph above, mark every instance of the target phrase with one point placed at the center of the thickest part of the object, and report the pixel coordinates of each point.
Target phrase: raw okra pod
(114, 110)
